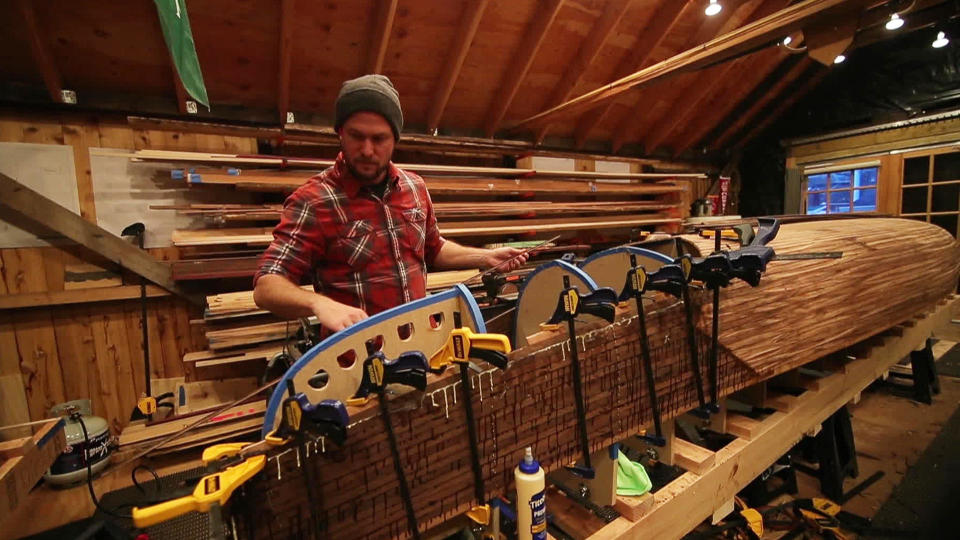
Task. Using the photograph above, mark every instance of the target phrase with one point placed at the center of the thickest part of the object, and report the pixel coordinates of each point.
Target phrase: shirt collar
(351, 186)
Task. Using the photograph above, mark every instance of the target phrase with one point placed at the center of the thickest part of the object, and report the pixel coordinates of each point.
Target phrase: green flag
(179, 38)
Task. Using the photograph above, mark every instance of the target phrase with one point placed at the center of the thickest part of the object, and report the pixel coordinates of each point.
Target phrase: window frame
(832, 168)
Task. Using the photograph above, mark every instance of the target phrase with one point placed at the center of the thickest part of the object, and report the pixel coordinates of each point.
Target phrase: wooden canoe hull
(803, 310)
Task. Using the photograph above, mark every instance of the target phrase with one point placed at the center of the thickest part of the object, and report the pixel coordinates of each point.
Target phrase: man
(363, 228)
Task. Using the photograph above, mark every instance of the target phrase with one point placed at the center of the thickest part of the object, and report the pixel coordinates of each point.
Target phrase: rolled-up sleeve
(295, 240)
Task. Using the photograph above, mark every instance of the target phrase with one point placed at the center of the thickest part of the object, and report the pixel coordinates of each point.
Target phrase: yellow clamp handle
(213, 488)
(461, 340)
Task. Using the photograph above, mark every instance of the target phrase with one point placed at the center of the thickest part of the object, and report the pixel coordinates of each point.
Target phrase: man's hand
(336, 316)
(509, 258)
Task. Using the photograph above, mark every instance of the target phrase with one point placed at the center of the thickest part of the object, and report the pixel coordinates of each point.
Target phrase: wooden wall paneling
(212, 143)
(167, 328)
(113, 365)
(116, 136)
(13, 407)
(381, 29)
(10, 130)
(82, 137)
(9, 357)
(40, 49)
(77, 349)
(41, 132)
(184, 341)
(467, 30)
(157, 366)
(889, 184)
(54, 267)
(39, 361)
(240, 145)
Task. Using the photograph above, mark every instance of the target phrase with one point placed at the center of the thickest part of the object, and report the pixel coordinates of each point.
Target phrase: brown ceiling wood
(40, 50)
(601, 30)
(788, 97)
(469, 22)
(667, 16)
(287, 13)
(462, 67)
(720, 49)
(382, 27)
(522, 59)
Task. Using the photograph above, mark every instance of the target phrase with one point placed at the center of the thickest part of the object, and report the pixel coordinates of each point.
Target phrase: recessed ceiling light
(839, 59)
(713, 8)
(894, 22)
(941, 40)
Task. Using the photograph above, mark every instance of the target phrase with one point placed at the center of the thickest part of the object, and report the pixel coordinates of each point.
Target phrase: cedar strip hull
(891, 270)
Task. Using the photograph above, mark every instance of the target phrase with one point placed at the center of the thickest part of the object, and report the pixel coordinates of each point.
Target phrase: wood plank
(202, 395)
(13, 407)
(469, 21)
(54, 267)
(39, 362)
(170, 357)
(729, 45)
(79, 296)
(534, 35)
(109, 350)
(9, 358)
(139, 434)
(40, 213)
(386, 11)
(287, 8)
(263, 235)
(19, 474)
(82, 137)
(75, 344)
(586, 54)
(691, 457)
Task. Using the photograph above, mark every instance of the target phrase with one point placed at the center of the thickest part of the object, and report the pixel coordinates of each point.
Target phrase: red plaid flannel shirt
(360, 250)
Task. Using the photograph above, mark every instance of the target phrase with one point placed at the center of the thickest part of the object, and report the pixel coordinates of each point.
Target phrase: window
(931, 188)
(842, 191)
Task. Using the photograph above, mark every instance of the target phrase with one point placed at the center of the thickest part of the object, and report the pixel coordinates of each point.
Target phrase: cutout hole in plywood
(374, 344)
(319, 379)
(436, 321)
(405, 331)
(347, 359)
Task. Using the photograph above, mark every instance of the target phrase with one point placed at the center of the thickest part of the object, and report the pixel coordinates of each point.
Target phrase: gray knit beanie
(373, 93)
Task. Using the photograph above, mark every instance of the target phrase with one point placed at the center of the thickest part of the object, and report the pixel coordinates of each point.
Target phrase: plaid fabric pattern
(358, 249)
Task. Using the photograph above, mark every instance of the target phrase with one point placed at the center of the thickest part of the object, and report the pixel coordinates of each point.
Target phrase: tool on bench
(635, 286)
(461, 346)
(229, 465)
(600, 303)
(409, 369)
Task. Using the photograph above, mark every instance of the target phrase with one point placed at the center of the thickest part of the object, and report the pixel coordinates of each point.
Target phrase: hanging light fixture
(839, 59)
(941, 41)
(786, 41)
(713, 8)
(895, 22)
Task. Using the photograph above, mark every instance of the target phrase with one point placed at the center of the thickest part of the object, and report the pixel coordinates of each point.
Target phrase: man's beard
(367, 178)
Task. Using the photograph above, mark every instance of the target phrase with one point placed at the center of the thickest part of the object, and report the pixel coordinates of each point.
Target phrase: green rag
(632, 479)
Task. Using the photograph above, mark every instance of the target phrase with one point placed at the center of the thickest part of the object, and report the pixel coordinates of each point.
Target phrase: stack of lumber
(237, 421)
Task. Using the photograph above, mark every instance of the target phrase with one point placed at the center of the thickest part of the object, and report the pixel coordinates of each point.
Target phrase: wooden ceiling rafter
(534, 35)
(384, 15)
(688, 99)
(286, 48)
(744, 119)
(752, 75)
(41, 52)
(467, 30)
(727, 46)
(769, 114)
(709, 28)
(586, 54)
(664, 19)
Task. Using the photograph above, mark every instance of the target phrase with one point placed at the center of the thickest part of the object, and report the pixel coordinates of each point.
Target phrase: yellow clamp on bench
(480, 514)
(725, 234)
(215, 488)
(461, 342)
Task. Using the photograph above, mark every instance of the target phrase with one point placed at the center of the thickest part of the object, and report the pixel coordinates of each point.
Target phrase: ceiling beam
(768, 95)
(383, 27)
(286, 46)
(469, 22)
(661, 23)
(691, 94)
(25, 208)
(644, 110)
(810, 82)
(748, 76)
(41, 53)
(536, 31)
(587, 53)
(727, 46)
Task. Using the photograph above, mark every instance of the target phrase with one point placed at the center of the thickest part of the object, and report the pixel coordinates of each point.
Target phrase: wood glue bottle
(531, 499)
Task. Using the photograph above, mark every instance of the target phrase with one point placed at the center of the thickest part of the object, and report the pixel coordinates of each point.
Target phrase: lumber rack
(711, 479)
